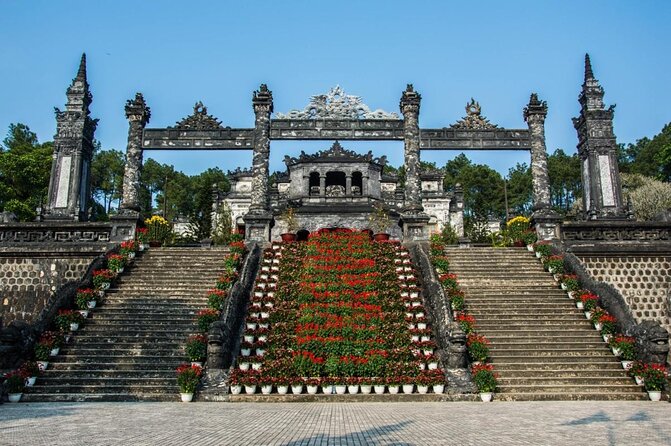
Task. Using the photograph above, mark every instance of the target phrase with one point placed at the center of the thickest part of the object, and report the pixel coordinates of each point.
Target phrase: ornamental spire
(589, 74)
(81, 73)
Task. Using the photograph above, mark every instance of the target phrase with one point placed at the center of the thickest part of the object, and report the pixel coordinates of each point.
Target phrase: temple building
(338, 188)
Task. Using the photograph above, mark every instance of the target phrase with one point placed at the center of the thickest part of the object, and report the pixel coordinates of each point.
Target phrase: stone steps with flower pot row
(130, 346)
(542, 347)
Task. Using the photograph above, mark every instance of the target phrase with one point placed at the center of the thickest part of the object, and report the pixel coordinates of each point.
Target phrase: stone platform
(497, 423)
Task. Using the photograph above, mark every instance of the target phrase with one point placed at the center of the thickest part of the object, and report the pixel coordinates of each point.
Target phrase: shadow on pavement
(367, 437)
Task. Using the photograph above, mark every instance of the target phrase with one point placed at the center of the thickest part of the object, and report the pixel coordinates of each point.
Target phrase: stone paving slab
(290, 424)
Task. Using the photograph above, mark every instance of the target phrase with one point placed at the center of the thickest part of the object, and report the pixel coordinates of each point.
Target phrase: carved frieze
(336, 104)
(336, 153)
(199, 120)
(473, 119)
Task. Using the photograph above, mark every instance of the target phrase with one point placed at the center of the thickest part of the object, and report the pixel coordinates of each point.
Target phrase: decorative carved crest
(238, 173)
(336, 153)
(336, 105)
(199, 120)
(473, 119)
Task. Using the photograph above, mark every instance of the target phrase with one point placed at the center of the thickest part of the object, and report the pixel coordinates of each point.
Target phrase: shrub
(15, 382)
(484, 377)
(205, 318)
(478, 347)
(655, 376)
(188, 377)
(158, 229)
(196, 347)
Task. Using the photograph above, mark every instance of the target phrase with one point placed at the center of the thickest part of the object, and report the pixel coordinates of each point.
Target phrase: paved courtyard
(498, 423)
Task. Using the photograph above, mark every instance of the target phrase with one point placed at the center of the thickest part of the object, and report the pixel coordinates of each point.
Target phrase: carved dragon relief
(199, 120)
(336, 104)
(473, 119)
(336, 152)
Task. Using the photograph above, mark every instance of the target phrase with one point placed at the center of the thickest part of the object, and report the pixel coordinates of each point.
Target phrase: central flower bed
(338, 310)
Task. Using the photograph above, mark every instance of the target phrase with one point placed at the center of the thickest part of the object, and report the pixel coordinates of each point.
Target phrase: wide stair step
(129, 347)
(542, 347)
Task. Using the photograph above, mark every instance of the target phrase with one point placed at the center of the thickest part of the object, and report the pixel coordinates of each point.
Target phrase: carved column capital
(536, 110)
(137, 110)
(410, 101)
(262, 100)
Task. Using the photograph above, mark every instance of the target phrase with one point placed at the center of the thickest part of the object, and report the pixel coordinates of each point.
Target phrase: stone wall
(29, 278)
(643, 280)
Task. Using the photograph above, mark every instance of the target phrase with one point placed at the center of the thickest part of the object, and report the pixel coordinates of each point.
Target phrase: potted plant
(542, 249)
(235, 387)
(289, 217)
(69, 320)
(485, 380)
(312, 385)
(188, 377)
(196, 348)
(116, 263)
(655, 378)
(216, 299)
(141, 235)
(478, 347)
(250, 381)
(15, 383)
(625, 348)
(30, 370)
(207, 317)
(516, 228)
(456, 299)
(102, 279)
(42, 352)
(529, 237)
(554, 264)
(86, 299)
(637, 371)
(158, 230)
(379, 222)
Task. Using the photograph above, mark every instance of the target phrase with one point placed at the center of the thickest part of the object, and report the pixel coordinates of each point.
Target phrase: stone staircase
(130, 346)
(541, 345)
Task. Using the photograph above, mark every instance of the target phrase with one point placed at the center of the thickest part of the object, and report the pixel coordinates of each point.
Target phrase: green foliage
(565, 180)
(25, 165)
(649, 157)
(223, 225)
(476, 230)
(107, 169)
(649, 197)
(449, 234)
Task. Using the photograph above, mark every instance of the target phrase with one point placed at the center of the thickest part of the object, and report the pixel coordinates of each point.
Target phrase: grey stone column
(138, 115)
(410, 101)
(263, 107)
(257, 221)
(534, 115)
(322, 185)
(545, 220)
(348, 184)
(413, 218)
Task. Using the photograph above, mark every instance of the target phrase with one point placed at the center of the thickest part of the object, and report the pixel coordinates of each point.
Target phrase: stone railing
(451, 339)
(621, 235)
(224, 335)
(67, 233)
(651, 338)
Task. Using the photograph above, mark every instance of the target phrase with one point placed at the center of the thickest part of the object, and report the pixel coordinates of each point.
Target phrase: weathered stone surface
(410, 103)
(597, 149)
(138, 115)
(70, 182)
(534, 115)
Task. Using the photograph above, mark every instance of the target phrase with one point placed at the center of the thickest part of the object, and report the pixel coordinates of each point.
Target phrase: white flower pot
(260, 351)
(246, 351)
(626, 364)
(250, 389)
(263, 338)
(422, 389)
(42, 365)
(265, 315)
(616, 351)
(579, 305)
(530, 248)
(267, 389)
(312, 390)
(422, 366)
(419, 314)
(393, 389)
(249, 338)
(197, 363)
(341, 389)
(244, 366)
(187, 397)
(421, 325)
(639, 380)
(427, 351)
(366, 389)
(378, 389)
(251, 325)
(84, 313)
(54, 351)
(598, 326)
(256, 366)
(438, 388)
(74, 327)
(282, 390)
(588, 315)
(236, 389)
(14, 397)
(414, 338)
(408, 388)
(654, 395)
(91, 304)
(538, 255)
(30, 381)
(353, 389)
(486, 396)
(141, 247)
(433, 365)
(105, 286)
(563, 286)
(425, 338)
(297, 389)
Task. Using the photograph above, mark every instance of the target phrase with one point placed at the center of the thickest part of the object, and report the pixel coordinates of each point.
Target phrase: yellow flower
(519, 220)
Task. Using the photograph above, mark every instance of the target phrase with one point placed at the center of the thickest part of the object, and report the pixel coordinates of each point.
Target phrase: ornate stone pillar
(257, 221)
(413, 218)
(70, 181)
(322, 184)
(597, 149)
(138, 115)
(348, 184)
(544, 218)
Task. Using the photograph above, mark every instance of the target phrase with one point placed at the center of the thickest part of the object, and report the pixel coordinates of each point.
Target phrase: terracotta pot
(288, 237)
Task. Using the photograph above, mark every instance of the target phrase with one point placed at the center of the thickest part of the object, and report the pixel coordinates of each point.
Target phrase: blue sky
(177, 53)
